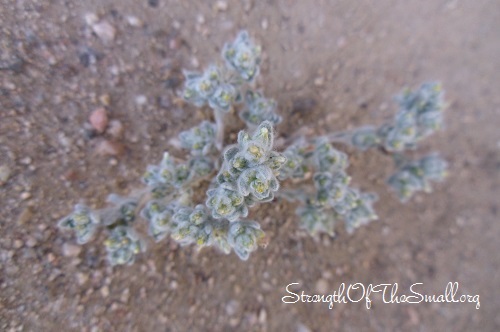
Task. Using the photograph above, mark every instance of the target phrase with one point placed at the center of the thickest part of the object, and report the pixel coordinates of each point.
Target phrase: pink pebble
(109, 148)
(115, 129)
(99, 119)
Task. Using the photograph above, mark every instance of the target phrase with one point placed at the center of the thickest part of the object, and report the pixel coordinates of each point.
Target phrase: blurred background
(331, 65)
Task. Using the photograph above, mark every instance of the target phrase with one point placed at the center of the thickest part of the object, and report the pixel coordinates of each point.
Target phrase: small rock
(26, 160)
(264, 24)
(141, 100)
(99, 119)
(302, 328)
(125, 295)
(221, 6)
(114, 306)
(64, 140)
(115, 129)
(25, 195)
(105, 291)
(153, 3)
(232, 307)
(134, 21)
(262, 316)
(319, 81)
(110, 148)
(195, 62)
(233, 322)
(4, 174)
(322, 286)
(71, 250)
(51, 257)
(104, 30)
(174, 43)
(81, 278)
(24, 216)
(31, 242)
(200, 19)
(105, 99)
(90, 18)
(18, 244)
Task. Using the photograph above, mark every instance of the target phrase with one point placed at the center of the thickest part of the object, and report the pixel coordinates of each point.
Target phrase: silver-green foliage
(247, 176)
(243, 56)
(259, 109)
(417, 176)
(332, 198)
(420, 114)
(249, 172)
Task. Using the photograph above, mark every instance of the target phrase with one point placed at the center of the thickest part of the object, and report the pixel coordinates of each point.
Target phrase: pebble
(114, 306)
(322, 286)
(221, 6)
(134, 21)
(4, 174)
(26, 160)
(31, 242)
(319, 81)
(141, 100)
(105, 291)
(232, 307)
(90, 18)
(110, 148)
(194, 62)
(25, 195)
(51, 257)
(200, 19)
(105, 99)
(71, 250)
(24, 216)
(174, 43)
(18, 244)
(104, 30)
(115, 129)
(302, 328)
(264, 24)
(262, 316)
(99, 119)
(81, 278)
(125, 295)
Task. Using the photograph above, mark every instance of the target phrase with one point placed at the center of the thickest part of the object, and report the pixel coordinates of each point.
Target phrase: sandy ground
(342, 62)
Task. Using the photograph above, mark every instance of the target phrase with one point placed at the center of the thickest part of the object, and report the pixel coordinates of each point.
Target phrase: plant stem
(340, 137)
(343, 137)
(219, 122)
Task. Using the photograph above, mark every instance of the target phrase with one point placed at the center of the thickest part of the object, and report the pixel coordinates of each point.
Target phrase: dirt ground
(331, 65)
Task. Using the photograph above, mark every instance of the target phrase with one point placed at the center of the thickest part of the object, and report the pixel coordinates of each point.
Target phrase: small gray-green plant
(249, 172)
